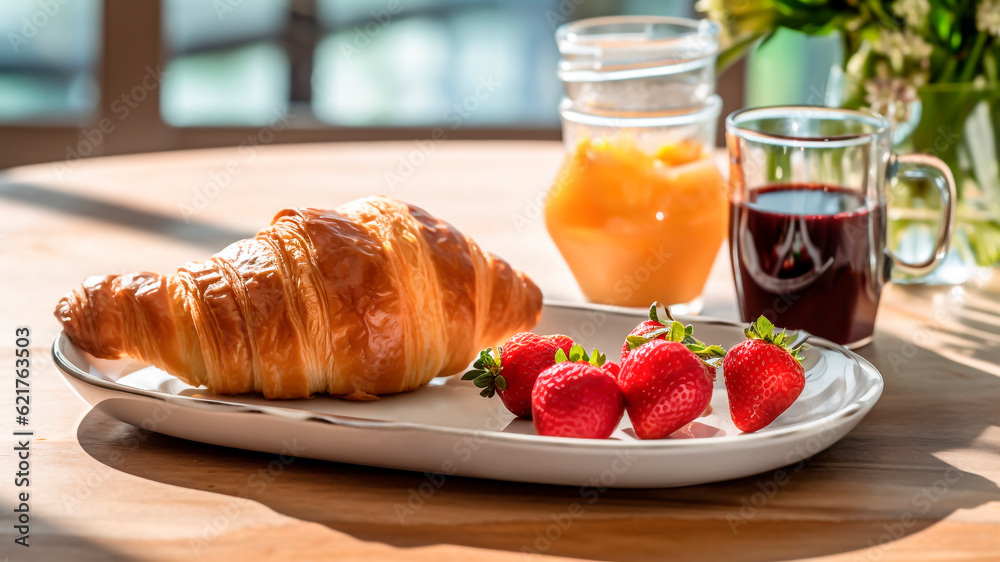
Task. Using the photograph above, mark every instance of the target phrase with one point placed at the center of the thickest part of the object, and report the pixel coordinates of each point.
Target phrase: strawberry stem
(485, 373)
(577, 354)
(654, 316)
(652, 313)
(763, 329)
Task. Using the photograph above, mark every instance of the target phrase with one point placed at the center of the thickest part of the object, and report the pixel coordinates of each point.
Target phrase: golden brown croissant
(376, 297)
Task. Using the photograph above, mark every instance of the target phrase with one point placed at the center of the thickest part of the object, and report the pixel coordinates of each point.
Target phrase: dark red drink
(809, 257)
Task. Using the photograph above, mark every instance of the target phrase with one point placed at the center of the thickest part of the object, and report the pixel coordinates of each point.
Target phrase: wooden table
(917, 480)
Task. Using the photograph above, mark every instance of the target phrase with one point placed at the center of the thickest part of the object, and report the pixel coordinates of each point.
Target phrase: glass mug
(807, 222)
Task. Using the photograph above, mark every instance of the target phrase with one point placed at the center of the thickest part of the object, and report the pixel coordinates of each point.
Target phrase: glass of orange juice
(639, 209)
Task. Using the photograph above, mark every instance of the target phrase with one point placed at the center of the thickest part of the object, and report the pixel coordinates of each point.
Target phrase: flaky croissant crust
(374, 298)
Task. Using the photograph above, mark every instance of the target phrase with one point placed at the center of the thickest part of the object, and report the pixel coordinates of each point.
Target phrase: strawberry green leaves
(578, 354)
(763, 329)
(485, 373)
(486, 370)
(676, 332)
(680, 333)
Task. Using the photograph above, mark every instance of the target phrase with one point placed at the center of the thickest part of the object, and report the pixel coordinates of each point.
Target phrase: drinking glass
(807, 223)
(638, 63)
(638, 208)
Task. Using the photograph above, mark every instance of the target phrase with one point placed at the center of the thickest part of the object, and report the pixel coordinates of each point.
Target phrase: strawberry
(612, 369)
(654, 328)
(576, 398)
(763, 376)
(644, 327)
(666, 386)
(512, 371)
(665, 379)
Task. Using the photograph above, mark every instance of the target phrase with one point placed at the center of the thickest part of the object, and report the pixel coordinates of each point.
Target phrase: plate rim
(858, 407)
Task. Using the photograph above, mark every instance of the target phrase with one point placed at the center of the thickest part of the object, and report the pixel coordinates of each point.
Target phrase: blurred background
(85, 78)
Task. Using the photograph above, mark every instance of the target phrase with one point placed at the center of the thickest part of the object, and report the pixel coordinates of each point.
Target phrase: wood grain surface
(917, 480)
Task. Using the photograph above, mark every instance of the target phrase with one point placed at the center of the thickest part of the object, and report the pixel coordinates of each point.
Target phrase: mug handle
(930, 166)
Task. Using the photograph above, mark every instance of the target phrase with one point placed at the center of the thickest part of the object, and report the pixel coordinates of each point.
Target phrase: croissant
(377, 297)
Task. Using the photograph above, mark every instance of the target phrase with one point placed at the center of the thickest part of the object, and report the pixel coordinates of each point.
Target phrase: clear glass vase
(957, 123)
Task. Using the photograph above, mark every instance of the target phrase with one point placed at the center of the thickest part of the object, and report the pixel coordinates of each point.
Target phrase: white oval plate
(448, 428)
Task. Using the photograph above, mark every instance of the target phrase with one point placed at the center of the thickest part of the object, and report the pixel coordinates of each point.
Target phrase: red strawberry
(644, 327)
(612, 369)
(763, 376)
(666, 386)
(513, 375)
(577, 399)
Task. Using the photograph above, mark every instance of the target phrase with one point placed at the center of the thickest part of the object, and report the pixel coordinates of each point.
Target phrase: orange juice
(635, 227)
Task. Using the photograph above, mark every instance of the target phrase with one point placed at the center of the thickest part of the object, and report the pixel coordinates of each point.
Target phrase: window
(371, 63)
(328, 69)
(48, 59)
(226, 62)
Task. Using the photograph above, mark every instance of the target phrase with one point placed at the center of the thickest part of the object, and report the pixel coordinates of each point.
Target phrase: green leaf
(779, 338)
(739, 46)
(597, 358)
(677, 332)
(635, 341)
(798, 350)
(561, 356)
(983, 236)
(763, 327)
(577, 353)
(653, 334)
(485, 373)
(472, 374)
(486, 359)
(706, 351)
(715, 350)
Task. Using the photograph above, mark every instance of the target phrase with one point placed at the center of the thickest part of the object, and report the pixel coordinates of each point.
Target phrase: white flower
(906, 43)
(988, 17)
(890, 96)
(913, 12)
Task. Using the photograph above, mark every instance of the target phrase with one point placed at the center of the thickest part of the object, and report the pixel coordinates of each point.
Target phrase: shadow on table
(111, 212)
(48, 540)
(880, 483)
